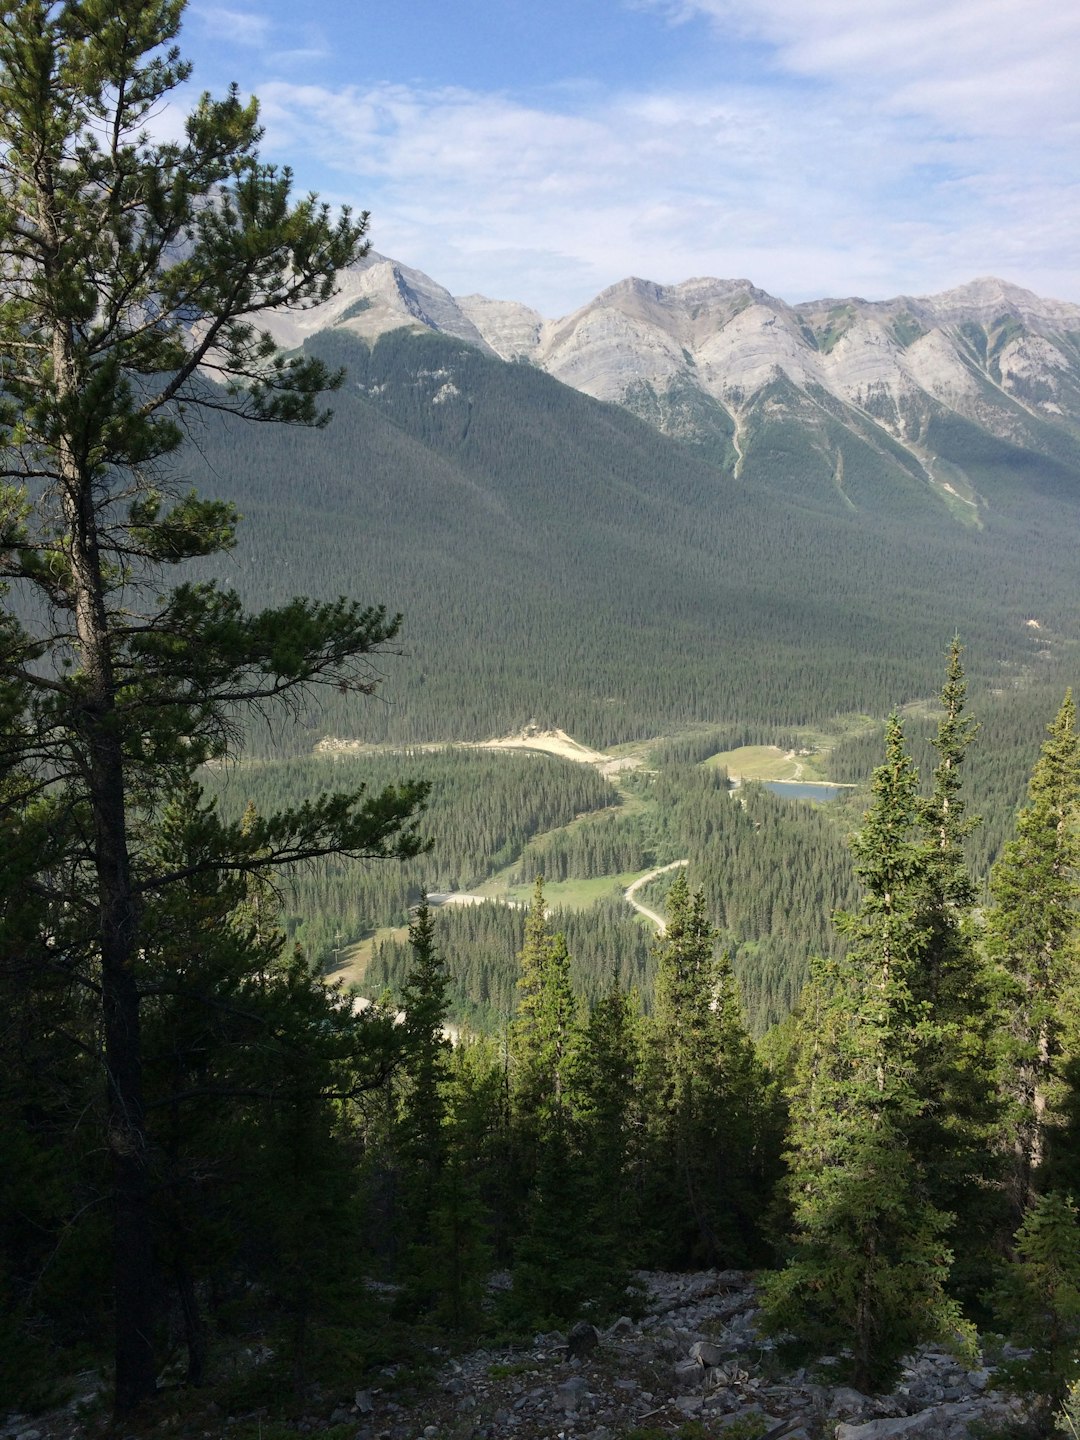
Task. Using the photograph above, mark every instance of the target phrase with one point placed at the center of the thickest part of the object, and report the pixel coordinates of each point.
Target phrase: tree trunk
(133, 1280)
(133, 1277)
(102, 761)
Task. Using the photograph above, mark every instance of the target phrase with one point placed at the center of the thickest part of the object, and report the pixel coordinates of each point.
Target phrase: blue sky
(539, 152)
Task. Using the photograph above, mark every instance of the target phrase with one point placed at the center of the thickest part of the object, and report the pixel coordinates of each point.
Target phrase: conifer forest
(264, 1082)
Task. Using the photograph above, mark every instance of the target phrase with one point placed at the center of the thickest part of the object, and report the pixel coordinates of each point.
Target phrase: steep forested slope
(558, 560)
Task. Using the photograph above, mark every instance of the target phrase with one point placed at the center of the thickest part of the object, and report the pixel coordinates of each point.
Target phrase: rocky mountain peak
(700, 358)
(986, 300)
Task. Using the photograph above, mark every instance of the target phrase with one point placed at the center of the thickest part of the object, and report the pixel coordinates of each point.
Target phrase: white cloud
(989, 67)
(885, 146)
(234, 27)
(663, 184)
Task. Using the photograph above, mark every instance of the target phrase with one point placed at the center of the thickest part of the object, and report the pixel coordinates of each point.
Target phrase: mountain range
(727, 367)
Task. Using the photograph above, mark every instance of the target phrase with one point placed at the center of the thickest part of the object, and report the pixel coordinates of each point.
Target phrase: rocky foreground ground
(691, 1366)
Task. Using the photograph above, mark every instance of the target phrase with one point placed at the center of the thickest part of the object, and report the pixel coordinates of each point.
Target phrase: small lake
(803, 789)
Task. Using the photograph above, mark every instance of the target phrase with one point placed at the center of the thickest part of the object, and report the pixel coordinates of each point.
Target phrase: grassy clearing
(762, 762)
(810, 761)
(562, 894)
(355, 959)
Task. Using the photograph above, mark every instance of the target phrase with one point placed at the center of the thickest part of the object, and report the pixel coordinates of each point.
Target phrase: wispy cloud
(847, 146)
(236, 27)
(986, 66)
(485, 190)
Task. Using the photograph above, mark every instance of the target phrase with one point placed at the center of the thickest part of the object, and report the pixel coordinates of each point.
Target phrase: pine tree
(134, 275)
(1032, 936)
(868, 1266)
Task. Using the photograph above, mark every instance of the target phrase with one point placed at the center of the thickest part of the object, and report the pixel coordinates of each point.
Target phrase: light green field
(562, 894)
(767, 762)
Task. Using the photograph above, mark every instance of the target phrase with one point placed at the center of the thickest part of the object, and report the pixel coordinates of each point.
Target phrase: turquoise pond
(803, 789)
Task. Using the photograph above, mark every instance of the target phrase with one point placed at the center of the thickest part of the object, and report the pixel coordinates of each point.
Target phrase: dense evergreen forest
(773, 871)
(480, 812)
(595, 1132)
(259, 1188)
(558, 561)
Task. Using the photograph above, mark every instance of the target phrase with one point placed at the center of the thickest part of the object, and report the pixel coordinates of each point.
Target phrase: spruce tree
(703, 1090)
(1032, 936)
(469, 1204)
(1039, 1299)
(421, 1136)
(609, 1126)
(133, 279)
(954, 1136)
(426, 1047)
(868, 1269)
(543, 1034)
(544, 1042)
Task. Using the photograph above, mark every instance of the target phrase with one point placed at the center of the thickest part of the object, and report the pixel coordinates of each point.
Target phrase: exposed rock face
(376, 296)
(512, 331)
(975, 350)
(720, 361)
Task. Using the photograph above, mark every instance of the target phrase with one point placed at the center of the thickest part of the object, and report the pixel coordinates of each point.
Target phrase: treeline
(1003, 756)
(932, 1079)
(772, 872)
(610, 845)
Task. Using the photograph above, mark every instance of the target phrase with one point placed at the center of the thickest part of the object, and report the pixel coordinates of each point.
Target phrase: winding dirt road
(630, 891)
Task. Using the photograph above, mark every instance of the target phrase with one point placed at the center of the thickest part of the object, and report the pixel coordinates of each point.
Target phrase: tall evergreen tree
(427, 1047)
(249, 1064)
(954, 1136)
(469, 1213)
(544, 1031)
(609, 1127)
(134, 273)
(1032, 933)
(868, 1268)
(703, 1093)
(421, 1135)
(544, 1041)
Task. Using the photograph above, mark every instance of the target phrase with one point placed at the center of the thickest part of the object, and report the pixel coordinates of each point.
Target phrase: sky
(540, 150)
